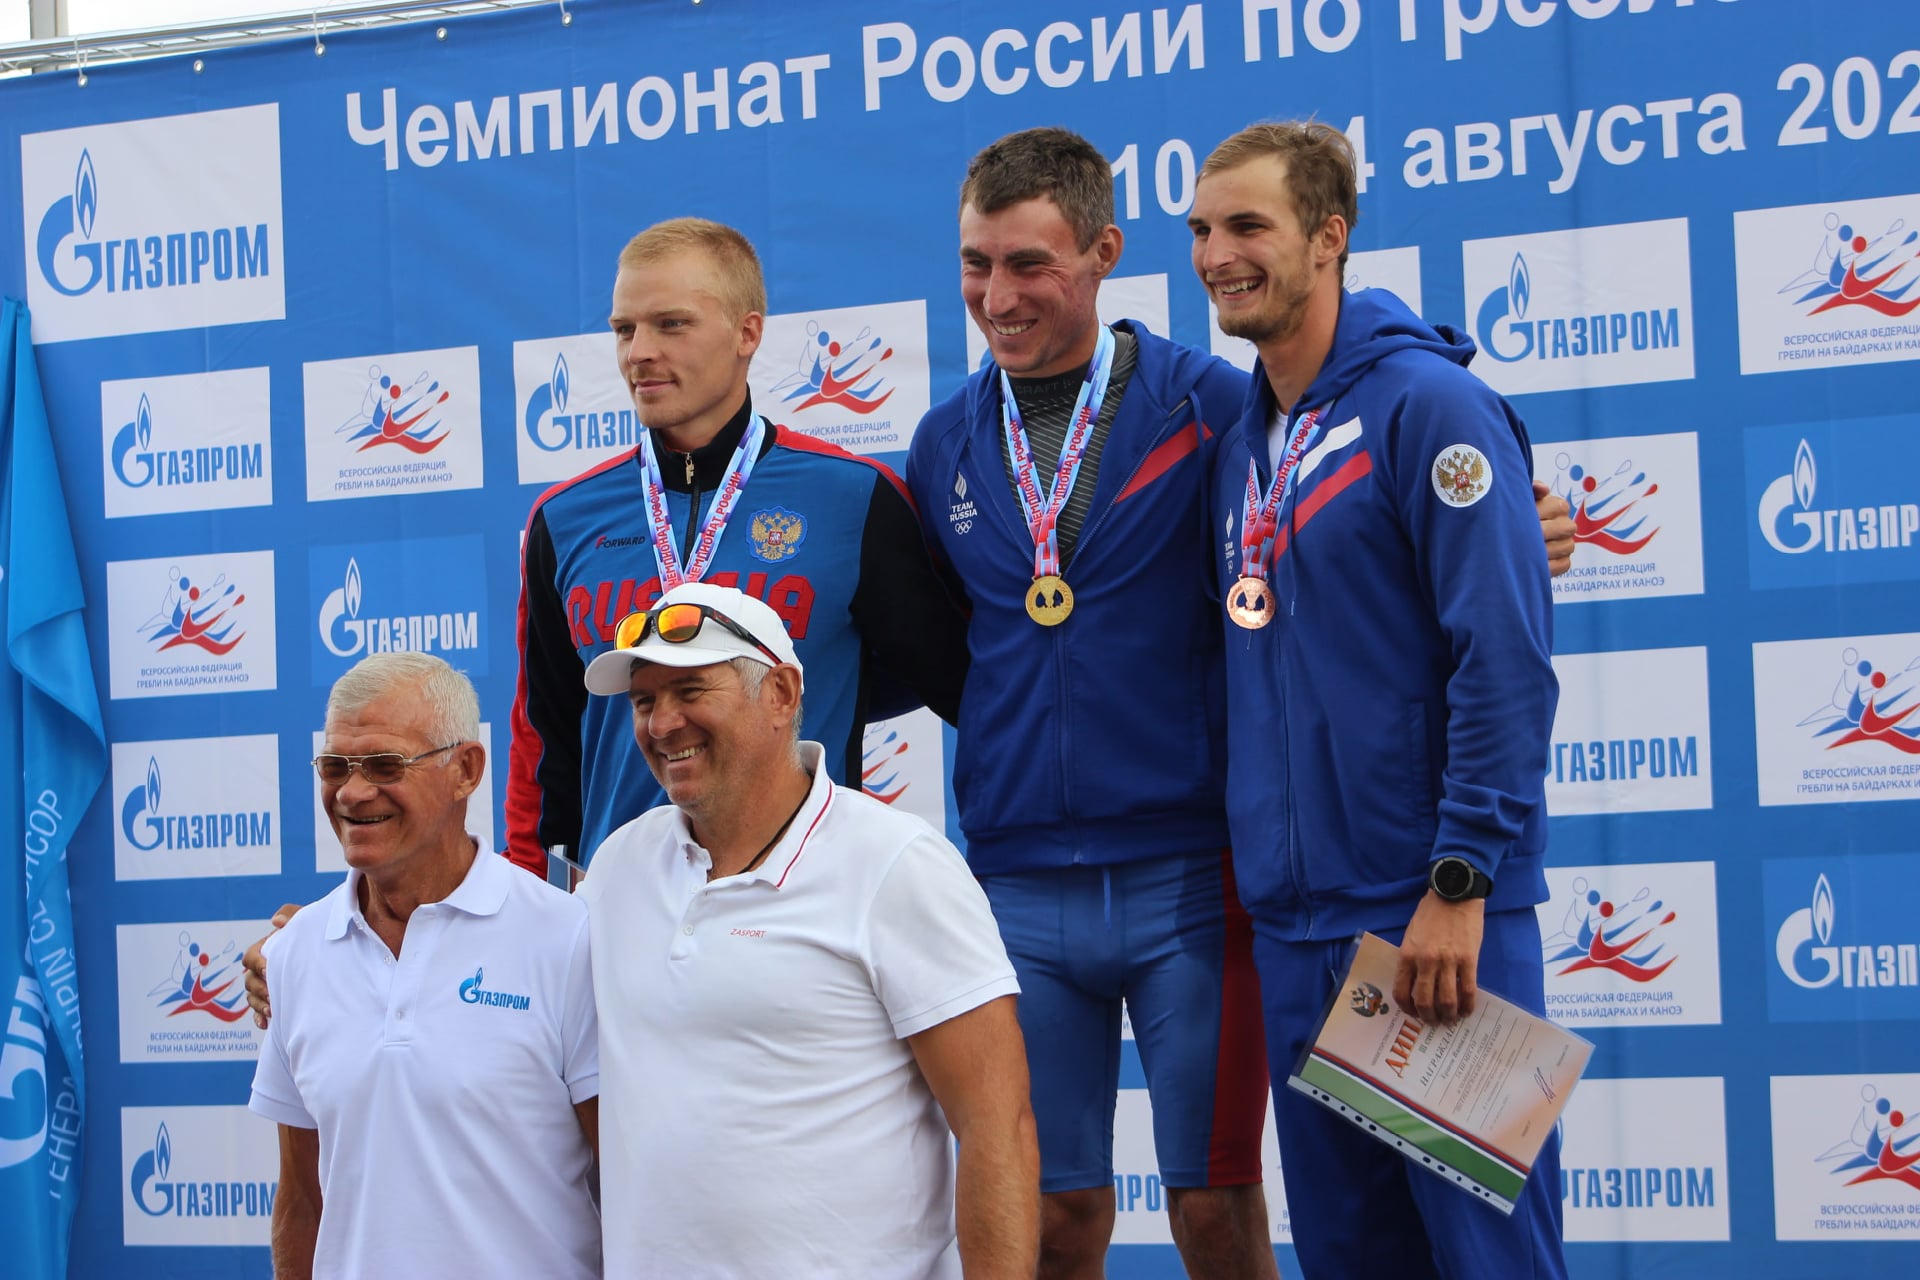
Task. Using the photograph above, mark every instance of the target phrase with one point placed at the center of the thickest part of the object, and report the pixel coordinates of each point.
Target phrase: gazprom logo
(73, 264)
(472, 992)
(147, 827)
(160, 1196)
(1792, 525)
(1507, 333)
(137, 464)
(552, 429)
(348, 635)
(67, 218)
(1806, 953)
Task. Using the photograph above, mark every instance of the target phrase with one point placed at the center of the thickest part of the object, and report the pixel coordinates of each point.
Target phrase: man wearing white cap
(800, 991)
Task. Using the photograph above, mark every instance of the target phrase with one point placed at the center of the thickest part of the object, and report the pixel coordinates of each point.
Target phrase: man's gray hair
(753, 674)
(453, 708)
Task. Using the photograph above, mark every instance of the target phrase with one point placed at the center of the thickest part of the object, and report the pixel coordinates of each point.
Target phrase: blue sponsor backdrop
(413, 193)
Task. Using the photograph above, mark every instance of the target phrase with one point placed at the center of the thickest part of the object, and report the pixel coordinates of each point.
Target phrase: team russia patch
(1462, 475)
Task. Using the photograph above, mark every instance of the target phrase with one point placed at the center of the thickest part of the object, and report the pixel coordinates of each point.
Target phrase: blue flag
(50, 713)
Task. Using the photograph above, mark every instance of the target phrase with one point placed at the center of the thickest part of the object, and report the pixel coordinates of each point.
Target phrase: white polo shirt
(763, 1114)
(443, 1082)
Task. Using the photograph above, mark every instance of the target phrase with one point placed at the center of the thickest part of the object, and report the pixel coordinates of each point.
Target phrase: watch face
(1452, 877)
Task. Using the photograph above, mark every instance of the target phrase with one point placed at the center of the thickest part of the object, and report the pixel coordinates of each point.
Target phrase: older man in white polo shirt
(800, 990)
(432, 1059)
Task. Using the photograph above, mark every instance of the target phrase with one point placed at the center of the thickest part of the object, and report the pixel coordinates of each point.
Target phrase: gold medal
(1049, 600)
(1250, 603)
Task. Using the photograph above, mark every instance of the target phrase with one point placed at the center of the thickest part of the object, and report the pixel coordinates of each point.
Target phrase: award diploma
(1472, 1102)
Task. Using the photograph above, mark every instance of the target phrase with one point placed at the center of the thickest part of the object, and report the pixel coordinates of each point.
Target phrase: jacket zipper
(1059, 640)
(693, 512)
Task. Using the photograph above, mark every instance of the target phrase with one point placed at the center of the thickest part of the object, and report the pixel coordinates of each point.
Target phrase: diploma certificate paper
(1471, 1102)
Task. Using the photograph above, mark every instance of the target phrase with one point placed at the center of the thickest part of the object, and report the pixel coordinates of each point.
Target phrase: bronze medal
(1250, 603)
(1049, 600)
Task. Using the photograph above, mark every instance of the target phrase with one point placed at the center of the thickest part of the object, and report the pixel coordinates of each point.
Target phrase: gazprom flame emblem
(86, 198)
(132, 445)
(143, 802)
(1811, 928)
(64, 219)
(1506, 304)
(1778, 505)
(471, 992)
(339, 615)
(550, 398)
(152, 1168)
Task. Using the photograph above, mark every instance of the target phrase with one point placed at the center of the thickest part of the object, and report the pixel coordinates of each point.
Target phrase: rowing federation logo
(197, 1176)
(1851, 268)
(196, 442)
(118, 243)
(776, 534)
(1834, 502)
(855, 377)
(401, 423)
(1631, 945)
(902, 764)
(1822, 285)
(1846, 944)
(574, 410)
(1636, 515)
(1869, 704)
(1838, 719)
(1846, 1157)
(1591, 307)
(848, 373)
(182, 997)
(196, 807)
(191, 624)
(425, 595)
(205, 615)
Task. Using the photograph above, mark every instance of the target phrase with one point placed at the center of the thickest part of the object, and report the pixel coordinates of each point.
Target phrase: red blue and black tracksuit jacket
(848, 572)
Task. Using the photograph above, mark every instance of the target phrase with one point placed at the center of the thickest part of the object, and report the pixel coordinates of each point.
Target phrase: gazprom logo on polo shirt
(419, 596)
(156, 224)
(472, 992)
(158, 1195)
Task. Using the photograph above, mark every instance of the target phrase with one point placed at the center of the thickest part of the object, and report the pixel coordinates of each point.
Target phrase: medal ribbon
(1261, 524)
(666, 546)
(1043, 517)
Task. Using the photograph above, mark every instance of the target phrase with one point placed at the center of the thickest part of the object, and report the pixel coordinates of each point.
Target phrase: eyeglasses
(382, 769)
(680, 624)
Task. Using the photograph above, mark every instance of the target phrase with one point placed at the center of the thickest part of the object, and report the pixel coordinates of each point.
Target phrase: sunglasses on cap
(680, 624)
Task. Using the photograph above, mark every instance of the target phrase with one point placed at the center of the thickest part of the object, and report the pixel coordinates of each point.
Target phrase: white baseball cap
(612, 672)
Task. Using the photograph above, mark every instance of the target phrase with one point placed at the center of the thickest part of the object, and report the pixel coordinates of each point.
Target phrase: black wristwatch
(1457, 880)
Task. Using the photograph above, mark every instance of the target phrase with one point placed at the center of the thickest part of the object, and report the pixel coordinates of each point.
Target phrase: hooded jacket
(1398, 708)
(1098, 741)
